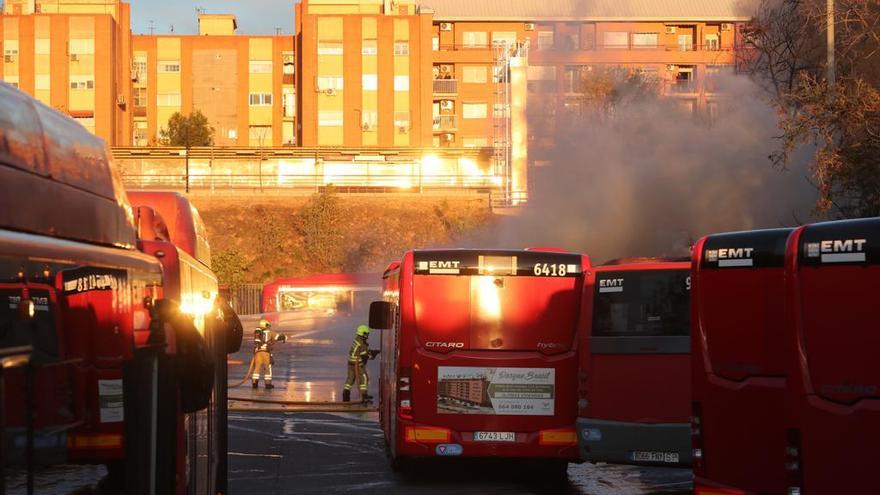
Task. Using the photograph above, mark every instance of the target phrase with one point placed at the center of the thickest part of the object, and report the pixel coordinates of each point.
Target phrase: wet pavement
(315, 452)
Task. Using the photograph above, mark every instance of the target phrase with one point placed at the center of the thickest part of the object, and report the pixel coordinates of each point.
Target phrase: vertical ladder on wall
(501, 135)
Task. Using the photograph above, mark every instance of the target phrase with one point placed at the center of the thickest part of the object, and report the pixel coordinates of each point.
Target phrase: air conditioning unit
(74, 57)
(726, 26)
(446, 104)
(447, 137)
(529, 26)
(445, 69)
(445, 26)
(670, 29)
(9, 58)
(402, 129)
(330, 92)
(671, 67)
(366, 127)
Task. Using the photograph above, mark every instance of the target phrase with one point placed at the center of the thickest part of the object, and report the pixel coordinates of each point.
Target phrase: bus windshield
(650, 303)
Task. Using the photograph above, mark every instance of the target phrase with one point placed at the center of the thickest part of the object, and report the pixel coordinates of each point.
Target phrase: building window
(259, 135)
(401, 120)
(82, 46)
(508, 37)
(10, 48)
(260, 99)
(401, 83)
(169, 66)
(369, 120)
(330, 118)
(288, 102)
(475, 39)
(370, 82)
(475, 142)
(615, 39)
(401, 48)
(168, 99)
(712, 42)
(369, 47)
(474, 110)
(13, 80)
(260, 66)
(82, 82)
(329, 48)
(87, 122)
(41, 82)
(140, 133)
(435, 43)
(41, 46)
(571, 83)
(140, 97)
(545, 40)
(475, 74)
(139, 68)
(289, 61)
(648, 73)
(325, 83)
(645, 40)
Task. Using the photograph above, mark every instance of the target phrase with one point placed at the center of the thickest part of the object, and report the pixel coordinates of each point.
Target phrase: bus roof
(45, 154)
(644, 260)
(182, 219)
(748, 249)
(494, 262)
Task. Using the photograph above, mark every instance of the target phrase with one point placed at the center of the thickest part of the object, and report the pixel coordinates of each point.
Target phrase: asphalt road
(312, 452)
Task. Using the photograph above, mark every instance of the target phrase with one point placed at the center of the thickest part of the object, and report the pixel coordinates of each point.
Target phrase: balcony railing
(682, 87)
(444, 123)
(446, 86)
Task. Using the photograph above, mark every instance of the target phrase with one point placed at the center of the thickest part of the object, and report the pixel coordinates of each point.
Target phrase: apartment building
(73, 56)
(243, 84)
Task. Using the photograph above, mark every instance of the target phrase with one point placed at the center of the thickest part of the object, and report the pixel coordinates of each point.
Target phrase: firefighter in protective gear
(358, 356)
(264, 340)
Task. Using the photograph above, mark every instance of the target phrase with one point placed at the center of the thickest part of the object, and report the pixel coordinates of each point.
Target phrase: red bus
(181, 246)
(832, 291)
(739, 372)
(480, 357)
(72, 283)
(332, 293)
(635, 364)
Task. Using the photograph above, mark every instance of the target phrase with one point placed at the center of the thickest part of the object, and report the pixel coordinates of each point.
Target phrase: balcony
(444, 123)
(445, 86)
(682, 87)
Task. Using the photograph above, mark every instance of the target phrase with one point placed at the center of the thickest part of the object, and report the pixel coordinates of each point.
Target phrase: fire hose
(246, 375)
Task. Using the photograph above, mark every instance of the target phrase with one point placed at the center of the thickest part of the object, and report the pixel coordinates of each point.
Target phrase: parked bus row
(538, 354)
(117, 306)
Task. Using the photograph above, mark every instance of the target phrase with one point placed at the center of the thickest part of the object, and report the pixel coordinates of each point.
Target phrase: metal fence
(246, 299)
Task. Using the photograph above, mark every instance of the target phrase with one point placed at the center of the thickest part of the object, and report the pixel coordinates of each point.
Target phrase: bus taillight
(561, 436)
(793, 462)
(697, 435)
(404, 394)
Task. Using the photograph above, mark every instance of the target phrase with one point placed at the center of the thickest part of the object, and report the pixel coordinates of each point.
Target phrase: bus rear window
(651, 303)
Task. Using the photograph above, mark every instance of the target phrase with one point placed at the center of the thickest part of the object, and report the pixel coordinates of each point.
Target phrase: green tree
(320, 225)
(231, 266)
(187, 130)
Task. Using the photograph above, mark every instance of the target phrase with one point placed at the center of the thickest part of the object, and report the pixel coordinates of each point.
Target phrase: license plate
(649, 456)
(494, 436)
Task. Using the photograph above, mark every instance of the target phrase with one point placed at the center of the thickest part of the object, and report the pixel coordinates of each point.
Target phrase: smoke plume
(652, 179)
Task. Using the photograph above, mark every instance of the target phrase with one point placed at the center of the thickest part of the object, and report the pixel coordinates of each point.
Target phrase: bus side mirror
(380, 315)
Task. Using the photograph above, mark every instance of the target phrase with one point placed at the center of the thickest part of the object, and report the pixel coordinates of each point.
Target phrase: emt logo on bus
(731, 256)
(611, 285)
(838, 250)
(440, 267)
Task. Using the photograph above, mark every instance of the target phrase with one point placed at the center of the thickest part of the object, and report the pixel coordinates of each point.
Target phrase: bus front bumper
(665, 444)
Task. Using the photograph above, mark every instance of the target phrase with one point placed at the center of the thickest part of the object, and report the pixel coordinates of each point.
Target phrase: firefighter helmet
(264, 324)
(363, 331)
